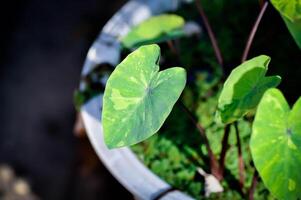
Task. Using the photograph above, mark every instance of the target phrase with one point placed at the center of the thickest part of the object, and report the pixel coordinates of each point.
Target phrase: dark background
(43, 46)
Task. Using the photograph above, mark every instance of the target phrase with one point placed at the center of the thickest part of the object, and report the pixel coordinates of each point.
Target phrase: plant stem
(173, 48)
(253, 31)
(214, 166)
(264, 5)
(175, 51)
(253, 185)
(212, 37)
(241, 166)
(225, 147)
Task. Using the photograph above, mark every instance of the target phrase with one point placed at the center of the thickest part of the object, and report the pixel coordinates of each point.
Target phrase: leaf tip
(264, 60)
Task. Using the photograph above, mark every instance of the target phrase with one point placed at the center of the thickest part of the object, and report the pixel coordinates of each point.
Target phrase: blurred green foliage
(94, 84)
(156, 29)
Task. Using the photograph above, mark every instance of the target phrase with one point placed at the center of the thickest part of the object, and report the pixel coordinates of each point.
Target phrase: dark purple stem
(253, 31)
(225, 147)
(212, 37)
(253, 185)
(213, 161)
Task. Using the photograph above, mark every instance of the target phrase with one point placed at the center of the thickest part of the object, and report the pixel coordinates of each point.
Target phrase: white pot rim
(123, 163)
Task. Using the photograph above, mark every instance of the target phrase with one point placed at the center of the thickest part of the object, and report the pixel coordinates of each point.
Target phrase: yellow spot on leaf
(280, 137)
(273, 100)
(120, 102)
(291, 185)
(121, 143)
(143, 79)
(290, 144)
(133, 79)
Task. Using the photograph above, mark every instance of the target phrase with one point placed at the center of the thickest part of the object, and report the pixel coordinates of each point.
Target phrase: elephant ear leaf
(276, 145)
(154, 30)
(244, 88)
(290, 11)
(138, 97)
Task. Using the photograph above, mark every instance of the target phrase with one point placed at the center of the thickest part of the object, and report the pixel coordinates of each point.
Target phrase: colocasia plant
(139, 97)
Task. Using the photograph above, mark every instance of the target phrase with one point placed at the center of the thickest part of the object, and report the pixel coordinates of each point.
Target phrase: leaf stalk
(214, 166)
(253, 32)
(211, 34)
(224, 150)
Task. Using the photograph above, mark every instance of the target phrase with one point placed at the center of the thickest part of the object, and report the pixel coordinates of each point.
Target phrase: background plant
(230, 138)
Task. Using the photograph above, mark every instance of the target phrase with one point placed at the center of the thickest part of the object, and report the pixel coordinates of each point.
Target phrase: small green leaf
(290, 11)
(276, 145)
(244, 88)
(154, 30)
(138, 98)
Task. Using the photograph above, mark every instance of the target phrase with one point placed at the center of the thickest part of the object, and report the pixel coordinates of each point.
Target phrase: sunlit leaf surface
(138, 97)
(244, 88)
(154, 30)
(276, 145)
(290, 11)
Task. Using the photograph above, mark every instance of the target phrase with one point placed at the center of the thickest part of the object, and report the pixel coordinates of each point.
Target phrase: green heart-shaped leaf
(290, 11)
(244, 88)
(154, 30)
(138, 98)
(276, 145)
